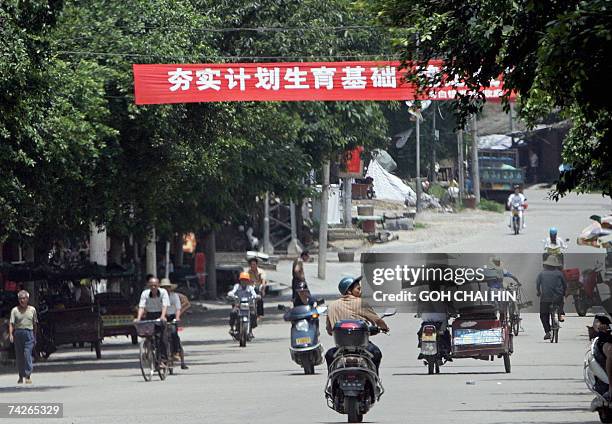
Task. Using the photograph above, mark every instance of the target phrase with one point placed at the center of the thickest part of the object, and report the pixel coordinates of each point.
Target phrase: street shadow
(545, 379)
(30, 388)
(424, 374)
(550, 422)
(243, 372)
(543, 394)
(543, 409)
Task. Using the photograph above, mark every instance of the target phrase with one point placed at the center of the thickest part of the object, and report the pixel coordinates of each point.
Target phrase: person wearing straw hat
(551, 287)
(174, 313)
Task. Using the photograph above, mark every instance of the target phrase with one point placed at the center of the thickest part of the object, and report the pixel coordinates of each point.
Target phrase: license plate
(427, 338)
(303, 340)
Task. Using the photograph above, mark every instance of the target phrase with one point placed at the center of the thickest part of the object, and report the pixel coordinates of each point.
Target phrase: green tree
(51, 128)
(553, 54)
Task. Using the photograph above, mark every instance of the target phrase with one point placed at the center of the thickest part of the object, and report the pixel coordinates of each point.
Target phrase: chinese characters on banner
(373, 80)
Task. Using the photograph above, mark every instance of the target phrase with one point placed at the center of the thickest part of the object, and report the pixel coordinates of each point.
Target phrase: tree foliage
(75, 148)
(553, 54)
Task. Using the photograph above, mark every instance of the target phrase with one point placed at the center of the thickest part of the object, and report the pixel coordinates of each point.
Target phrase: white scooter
(596, 379)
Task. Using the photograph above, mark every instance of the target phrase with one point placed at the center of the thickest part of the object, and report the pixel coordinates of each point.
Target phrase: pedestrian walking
(22, 332)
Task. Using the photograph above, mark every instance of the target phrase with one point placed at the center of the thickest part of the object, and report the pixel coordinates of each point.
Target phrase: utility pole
(434, 177)
(475, 165)
(460, 165)
(418, 164)
(323, 222)
(348, 193)
(210, 248)
(266, 225)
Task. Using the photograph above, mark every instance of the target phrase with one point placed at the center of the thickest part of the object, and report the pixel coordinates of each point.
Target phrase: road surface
(260, 384)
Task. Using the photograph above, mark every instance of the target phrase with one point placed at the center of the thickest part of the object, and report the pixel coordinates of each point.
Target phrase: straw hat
(165, 282)
(553, 261)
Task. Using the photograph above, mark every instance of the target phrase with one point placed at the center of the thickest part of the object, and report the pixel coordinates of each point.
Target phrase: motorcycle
(584, 288)
(516, 209)
(353, 384)
(306, 351)
(434, 341)
(246, 311)
(596, 379)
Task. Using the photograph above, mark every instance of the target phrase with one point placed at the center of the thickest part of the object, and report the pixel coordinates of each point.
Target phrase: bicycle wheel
(555, 325)
(147, 363)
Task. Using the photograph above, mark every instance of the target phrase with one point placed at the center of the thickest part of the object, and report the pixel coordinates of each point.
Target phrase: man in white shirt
(154, 301)
(519, 199)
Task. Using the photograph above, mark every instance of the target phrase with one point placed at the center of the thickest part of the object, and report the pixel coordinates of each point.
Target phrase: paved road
(260, 384)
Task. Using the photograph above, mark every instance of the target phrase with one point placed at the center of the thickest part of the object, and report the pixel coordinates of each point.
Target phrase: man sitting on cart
(154, 301)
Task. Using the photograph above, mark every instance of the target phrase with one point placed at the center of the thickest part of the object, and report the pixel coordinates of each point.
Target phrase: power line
(238, 29)
(389, 56)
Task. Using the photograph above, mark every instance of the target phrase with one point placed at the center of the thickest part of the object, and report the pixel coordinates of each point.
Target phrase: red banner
(296, 81)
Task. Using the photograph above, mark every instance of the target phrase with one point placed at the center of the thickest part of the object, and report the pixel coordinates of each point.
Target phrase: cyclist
(174, 313)
(154, 302)
(551, 287)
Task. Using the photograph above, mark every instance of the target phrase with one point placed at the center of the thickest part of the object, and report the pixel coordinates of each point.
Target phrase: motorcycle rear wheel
(431, 365)
(352, 409)
(580, 305)
(242, 337)
(605, 415)
(308, 366)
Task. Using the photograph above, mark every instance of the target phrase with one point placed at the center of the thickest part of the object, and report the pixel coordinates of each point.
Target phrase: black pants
(372, 348)
(175, 340)
(545, 313)
(160, 337)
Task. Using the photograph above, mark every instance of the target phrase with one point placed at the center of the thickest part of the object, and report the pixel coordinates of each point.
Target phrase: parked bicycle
(150, 354)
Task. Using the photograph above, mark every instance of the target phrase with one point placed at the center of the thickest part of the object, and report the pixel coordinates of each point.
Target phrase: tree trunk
(179, 254)
(116, 250)
(151, 254)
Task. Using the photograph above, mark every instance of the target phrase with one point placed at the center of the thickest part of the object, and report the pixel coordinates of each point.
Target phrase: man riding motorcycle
(554, 244)
(352, 307)
(519, 199)
(242, 290)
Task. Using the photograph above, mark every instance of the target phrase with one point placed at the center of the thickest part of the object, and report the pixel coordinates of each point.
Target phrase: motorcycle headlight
(302, 325)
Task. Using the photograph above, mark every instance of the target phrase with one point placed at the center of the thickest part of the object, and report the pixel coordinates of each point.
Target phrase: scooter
(306, 350)
(596, 379)
(353, 384)
(435, 346)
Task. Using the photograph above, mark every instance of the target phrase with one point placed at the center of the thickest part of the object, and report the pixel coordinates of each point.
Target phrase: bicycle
(516, 306)
(554, 327)
(150, 356)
